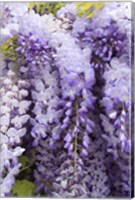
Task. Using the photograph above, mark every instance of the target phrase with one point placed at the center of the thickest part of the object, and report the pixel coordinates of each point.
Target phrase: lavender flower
(12, 129)
(67, 97)
(67, 15)
(107, 39)
(11, 15)
(117, 105)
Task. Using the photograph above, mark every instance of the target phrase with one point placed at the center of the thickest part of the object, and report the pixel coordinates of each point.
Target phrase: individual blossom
(67, 14)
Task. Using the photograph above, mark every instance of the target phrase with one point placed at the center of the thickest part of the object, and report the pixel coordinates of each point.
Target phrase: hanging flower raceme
(109, 38)
(117, 94)
(14, 116)
(117, 105)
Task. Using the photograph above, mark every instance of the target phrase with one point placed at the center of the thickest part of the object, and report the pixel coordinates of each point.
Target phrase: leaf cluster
(24, 186)
(89, 9)
(9, 48)
(46, 7)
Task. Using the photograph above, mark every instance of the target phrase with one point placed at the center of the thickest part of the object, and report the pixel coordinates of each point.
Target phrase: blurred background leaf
(46, 8)
(9, 48)
(24, 188)
(89, 9)
(24, 162)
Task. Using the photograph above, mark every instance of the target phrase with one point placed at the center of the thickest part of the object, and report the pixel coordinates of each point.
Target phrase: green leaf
(42, 7)
(8, 48)
(89, 9)
(24, 188)
(24, 161)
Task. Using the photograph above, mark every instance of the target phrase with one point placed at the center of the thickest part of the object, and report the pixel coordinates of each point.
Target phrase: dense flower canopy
(66, 103)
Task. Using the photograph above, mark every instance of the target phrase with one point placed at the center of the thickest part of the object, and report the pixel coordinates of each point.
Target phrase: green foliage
(46, 7)
(9, 48)
(89, 9)
(24, 188)
(26, 162)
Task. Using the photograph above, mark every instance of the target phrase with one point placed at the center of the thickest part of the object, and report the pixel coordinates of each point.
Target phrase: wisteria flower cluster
(66, 99)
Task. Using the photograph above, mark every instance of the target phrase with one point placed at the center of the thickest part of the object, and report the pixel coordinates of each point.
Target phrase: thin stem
(76, 139)
(123, 108)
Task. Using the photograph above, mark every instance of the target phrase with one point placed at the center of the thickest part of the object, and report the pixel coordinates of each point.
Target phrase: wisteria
(66, 99)
(13, 126)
